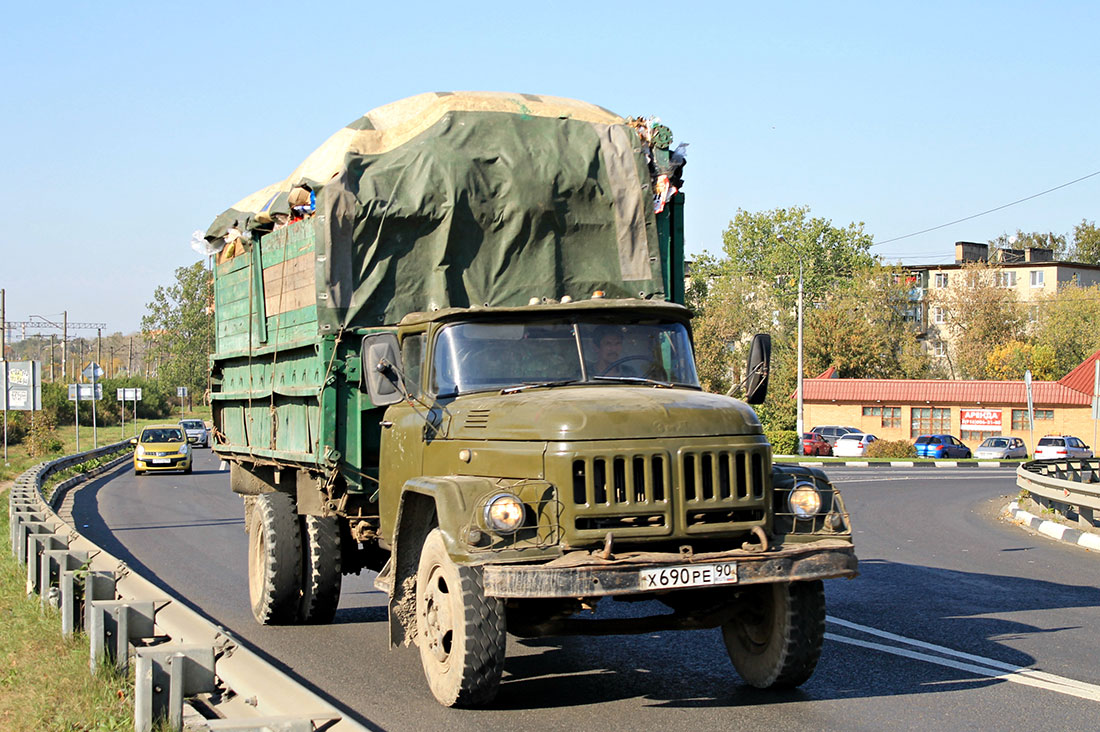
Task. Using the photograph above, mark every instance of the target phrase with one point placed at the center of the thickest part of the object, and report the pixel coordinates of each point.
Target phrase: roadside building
(895, 409)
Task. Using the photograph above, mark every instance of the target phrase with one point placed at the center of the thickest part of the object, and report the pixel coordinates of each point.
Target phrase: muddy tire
(320, 569)
(775, 641)
(460, 632)
(274, 559)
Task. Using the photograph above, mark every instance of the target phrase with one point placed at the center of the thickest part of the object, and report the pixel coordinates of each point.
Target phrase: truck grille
(634, 493)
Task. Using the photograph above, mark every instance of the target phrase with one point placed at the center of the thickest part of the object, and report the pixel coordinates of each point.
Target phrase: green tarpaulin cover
(465, 199)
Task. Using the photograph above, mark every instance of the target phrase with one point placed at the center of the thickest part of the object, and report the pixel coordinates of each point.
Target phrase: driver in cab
(609, 354)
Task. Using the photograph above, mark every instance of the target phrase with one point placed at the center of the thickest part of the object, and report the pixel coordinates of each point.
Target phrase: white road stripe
(990, 667)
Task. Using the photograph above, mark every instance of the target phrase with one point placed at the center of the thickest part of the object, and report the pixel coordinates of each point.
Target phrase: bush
(17, 427)
(892, 449)
(43, 439)
(784, 442)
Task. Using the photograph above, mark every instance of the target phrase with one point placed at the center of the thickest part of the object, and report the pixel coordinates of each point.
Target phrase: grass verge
(45, 684)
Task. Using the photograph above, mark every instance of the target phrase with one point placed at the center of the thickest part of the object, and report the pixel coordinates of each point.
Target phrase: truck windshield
(490, 356)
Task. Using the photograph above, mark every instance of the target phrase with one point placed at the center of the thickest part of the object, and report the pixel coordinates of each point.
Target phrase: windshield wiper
(538, 385)
(635, 380)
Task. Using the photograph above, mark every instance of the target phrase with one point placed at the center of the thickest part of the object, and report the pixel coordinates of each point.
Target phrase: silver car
(197, 434)
(1001, 448)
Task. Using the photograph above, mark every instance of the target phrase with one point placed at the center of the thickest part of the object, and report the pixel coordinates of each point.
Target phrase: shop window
(929, 421)
(888, 416)
(1019, 417)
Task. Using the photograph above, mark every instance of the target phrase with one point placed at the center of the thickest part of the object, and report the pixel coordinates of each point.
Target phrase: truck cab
(562, 453)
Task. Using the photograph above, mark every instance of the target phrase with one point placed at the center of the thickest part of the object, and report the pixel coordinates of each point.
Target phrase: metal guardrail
(1068, 487)
(178, 655)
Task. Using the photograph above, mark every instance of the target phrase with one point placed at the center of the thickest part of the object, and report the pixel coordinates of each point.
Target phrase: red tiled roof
(1081, 378)
(870, 391)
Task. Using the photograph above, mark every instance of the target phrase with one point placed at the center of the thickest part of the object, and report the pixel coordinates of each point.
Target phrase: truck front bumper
(584, 574)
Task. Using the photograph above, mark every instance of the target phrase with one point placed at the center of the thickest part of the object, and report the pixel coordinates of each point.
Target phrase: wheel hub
(438, 621)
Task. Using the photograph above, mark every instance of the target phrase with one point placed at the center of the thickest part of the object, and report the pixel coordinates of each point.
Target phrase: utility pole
(3, 328)
(64, 346)
(130, 359)
(99, 346)
(52, 378)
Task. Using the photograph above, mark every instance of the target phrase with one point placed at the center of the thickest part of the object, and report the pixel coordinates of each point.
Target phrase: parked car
(941, 446)
(197, 434)
(853, 444)
(1052, 447)
(1001, 448)
(830, 432)
(815, 444)
(161, 447)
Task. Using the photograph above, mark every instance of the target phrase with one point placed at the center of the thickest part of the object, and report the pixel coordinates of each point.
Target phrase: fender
(423, 501)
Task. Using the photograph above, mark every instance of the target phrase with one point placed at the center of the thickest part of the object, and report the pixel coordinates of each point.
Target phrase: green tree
(1086, 243)
(767, 246)
(862, 329)
(179, 328)
(754, 288)
(1068, 323)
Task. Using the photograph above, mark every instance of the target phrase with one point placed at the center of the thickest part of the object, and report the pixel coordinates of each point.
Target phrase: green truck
(452, 350)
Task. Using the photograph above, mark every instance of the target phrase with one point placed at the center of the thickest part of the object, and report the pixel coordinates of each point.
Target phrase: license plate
(689, 575)
(161, 462)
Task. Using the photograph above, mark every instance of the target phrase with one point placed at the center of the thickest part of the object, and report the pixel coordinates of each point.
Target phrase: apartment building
(1031, 273)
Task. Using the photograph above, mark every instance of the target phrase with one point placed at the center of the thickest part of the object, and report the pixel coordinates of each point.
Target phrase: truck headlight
(504, 513)
(804, 501)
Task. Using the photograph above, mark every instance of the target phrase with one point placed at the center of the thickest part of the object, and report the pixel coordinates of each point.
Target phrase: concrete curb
(901, 463)
(1056, 531)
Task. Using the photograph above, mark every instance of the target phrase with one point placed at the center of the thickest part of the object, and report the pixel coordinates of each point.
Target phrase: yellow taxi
(161, 447)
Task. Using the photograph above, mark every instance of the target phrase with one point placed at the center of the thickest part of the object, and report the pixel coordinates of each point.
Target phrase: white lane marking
(991, 667)
(924, 476)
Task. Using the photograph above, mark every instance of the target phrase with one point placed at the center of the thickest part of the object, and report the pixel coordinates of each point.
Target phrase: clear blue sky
(127, 125)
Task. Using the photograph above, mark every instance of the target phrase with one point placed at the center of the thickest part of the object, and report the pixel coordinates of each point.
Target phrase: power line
(983, 213)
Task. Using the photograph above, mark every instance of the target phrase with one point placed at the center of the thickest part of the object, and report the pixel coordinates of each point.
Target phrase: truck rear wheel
(274, 559)
(460, 631)
(775, 641)
(320, 569)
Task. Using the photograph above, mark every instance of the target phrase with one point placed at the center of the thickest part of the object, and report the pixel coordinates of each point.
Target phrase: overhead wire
(983, 213)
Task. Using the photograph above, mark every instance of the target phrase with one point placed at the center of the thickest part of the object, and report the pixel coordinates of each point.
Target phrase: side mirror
(760, 359)
(133, 440)
(381, 374)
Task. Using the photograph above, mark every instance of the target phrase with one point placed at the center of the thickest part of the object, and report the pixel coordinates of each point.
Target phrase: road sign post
(20, 390)
(78, 393)
(1030, 410)
(94, 372)
(181, 392)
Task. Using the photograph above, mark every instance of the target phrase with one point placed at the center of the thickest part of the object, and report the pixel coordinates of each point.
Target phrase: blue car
(943, 447)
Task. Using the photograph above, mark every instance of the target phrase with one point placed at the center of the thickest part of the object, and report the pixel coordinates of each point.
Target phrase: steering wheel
(619, 362)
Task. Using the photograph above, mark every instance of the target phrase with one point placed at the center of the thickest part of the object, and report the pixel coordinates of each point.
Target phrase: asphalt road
(950, 611)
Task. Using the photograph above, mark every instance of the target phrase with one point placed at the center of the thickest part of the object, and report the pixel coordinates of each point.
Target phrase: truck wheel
(274, 559)
(460, 631)
(776, 641)
(320, 569)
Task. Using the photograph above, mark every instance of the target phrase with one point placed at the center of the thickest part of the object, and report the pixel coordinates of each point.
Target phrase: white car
(1060, 447)
(196, 431)
(853, 444)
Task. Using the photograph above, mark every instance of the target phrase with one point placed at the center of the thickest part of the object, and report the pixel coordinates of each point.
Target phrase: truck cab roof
(595, 306)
